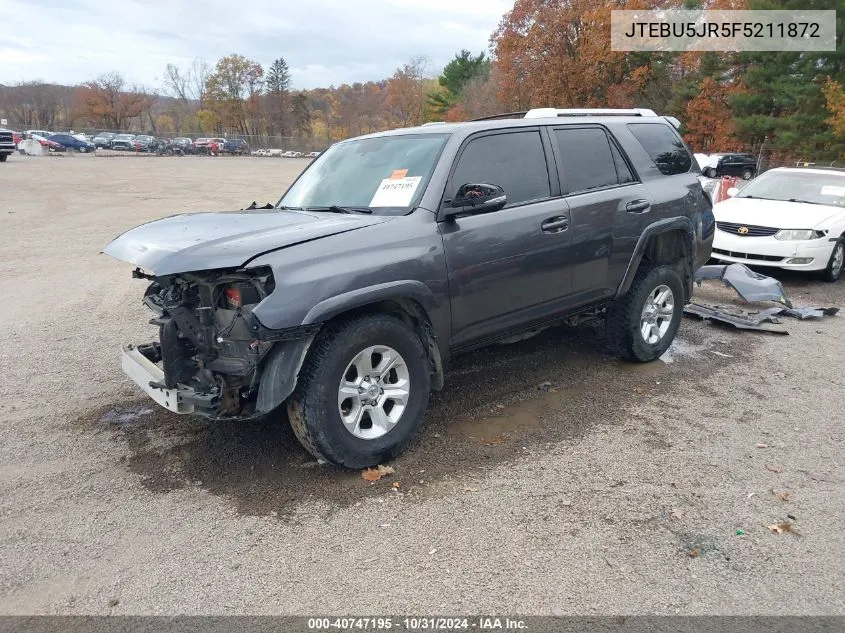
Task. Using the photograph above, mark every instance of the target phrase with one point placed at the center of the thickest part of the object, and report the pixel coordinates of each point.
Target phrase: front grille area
(753, 231)
(6, 137)
(759, 258)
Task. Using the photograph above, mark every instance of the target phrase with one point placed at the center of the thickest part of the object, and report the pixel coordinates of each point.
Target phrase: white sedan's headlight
(798, 234)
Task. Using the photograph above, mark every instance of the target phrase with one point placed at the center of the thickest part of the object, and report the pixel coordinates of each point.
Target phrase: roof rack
(545, 113)
(504, 115)
(549, 113)
(433, 123)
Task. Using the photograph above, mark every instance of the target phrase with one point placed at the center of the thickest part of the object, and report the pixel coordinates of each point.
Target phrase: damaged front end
(213, 357)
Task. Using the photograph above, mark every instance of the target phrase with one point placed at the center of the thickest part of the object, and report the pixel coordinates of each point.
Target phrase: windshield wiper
(333, 208)
(807, 202)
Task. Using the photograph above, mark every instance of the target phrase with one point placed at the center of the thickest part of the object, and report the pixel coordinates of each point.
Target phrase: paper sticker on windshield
(398, 173)
(395, 192)
(832, 190)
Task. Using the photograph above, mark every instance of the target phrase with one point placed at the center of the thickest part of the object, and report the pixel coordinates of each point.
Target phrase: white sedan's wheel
(837, 260)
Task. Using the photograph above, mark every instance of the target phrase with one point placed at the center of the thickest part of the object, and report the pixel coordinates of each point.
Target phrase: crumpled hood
(204, 241)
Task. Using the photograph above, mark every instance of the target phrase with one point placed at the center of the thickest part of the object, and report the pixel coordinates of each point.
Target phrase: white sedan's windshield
(387, 174)
(812, 187)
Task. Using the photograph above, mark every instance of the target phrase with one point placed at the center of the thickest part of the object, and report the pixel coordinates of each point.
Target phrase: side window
(515, 161)
(664, 146)
(586, 159)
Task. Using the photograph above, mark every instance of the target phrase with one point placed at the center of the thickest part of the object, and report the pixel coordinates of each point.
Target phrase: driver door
(508, 268)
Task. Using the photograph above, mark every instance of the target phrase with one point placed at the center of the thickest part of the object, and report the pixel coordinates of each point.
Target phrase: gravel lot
(620, 489)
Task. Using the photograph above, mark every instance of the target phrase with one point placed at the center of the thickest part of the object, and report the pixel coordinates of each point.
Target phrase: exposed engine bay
(212, 351)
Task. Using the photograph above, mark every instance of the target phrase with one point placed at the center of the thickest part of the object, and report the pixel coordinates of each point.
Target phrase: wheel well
(411, 312)
(672, 248)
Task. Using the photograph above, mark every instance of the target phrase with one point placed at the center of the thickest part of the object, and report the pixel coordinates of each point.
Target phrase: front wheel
(711, 173)
(834, 267)
(642, 324)
(362, 391)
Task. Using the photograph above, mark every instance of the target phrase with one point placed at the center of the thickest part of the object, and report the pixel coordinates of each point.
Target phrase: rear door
(609, 208)
(509, 268)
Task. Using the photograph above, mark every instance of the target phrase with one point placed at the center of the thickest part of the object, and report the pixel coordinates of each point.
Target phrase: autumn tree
(232, 92)
(834, 95)
(33, 104)
(407, 92)
(278, 88)
(708, 121)
(558, 54)
(108, 103)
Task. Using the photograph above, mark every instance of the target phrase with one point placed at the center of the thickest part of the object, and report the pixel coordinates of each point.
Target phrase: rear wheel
(834, 267)
(642, 325)
(362, 392)
(747, 174)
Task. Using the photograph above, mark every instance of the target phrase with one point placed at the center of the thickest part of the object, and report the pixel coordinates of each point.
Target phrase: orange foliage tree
(558, 54)
(834, 95)
(709, 124)
(106, 102)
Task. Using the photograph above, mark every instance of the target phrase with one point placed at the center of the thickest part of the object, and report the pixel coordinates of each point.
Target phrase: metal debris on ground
(735, 317)
(750, 286)
(801, 313)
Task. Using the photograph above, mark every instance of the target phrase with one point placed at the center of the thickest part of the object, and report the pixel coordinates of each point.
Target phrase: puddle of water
(681, 349)
(643, 369)
(514, 420)
(122, 415)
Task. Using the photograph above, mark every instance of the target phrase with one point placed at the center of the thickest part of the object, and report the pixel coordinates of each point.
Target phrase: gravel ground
(612, 489)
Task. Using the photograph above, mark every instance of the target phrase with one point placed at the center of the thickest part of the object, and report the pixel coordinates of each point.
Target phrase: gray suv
(395, 251)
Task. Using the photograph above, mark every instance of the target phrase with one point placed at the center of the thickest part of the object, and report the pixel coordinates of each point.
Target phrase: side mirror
(476, 198)
(732, 192)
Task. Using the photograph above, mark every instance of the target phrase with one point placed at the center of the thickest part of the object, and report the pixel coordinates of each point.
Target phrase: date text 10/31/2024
(417, 624)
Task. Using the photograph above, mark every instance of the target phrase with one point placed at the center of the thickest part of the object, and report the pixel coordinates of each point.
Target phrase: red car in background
(17, 137)
(49, 145)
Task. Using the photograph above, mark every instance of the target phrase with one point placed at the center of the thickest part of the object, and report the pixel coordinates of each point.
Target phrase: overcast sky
(325, 42)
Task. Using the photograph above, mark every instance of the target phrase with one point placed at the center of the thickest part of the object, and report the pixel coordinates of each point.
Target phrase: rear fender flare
(661, 226)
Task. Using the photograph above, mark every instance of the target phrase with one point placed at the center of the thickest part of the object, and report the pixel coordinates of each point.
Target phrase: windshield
(385, 173)
(124, 137)
(796, 186)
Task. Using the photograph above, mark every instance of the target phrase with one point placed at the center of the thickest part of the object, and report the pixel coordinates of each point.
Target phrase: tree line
(542, 54)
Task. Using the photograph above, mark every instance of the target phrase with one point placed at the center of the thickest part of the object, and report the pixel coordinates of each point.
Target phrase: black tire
(624, 317)
(747, 174)
(3, 158)
(711, 173)
(313, 407)
(833, 271)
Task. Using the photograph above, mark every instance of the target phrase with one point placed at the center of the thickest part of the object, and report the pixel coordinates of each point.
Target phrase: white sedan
(786, 218)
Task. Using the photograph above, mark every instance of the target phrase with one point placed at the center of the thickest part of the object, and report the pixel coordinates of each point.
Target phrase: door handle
(555, 225)
(637, 206)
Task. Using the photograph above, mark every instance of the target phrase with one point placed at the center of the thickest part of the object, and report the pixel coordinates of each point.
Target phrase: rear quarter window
(664, 146)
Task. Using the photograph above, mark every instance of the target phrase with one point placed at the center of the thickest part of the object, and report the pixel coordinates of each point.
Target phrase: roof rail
(544, 113)
(504, 115)
(433, 123)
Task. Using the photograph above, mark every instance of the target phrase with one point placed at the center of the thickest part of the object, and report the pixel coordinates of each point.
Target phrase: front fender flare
(661, 226)
(333, 306)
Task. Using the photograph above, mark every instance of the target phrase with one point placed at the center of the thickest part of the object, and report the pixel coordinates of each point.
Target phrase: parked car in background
(312, 154)
(41, 133)
(145, 143)
(288, 154)
(47, 144)
(742, 165)
(17, 137)
(603, 217)
(123, 142)
(183, 143)
(275, 152)
(7, 144)
(104, 139)
(792, 218)
(236, 146)
(71, 142)
(260, 152)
